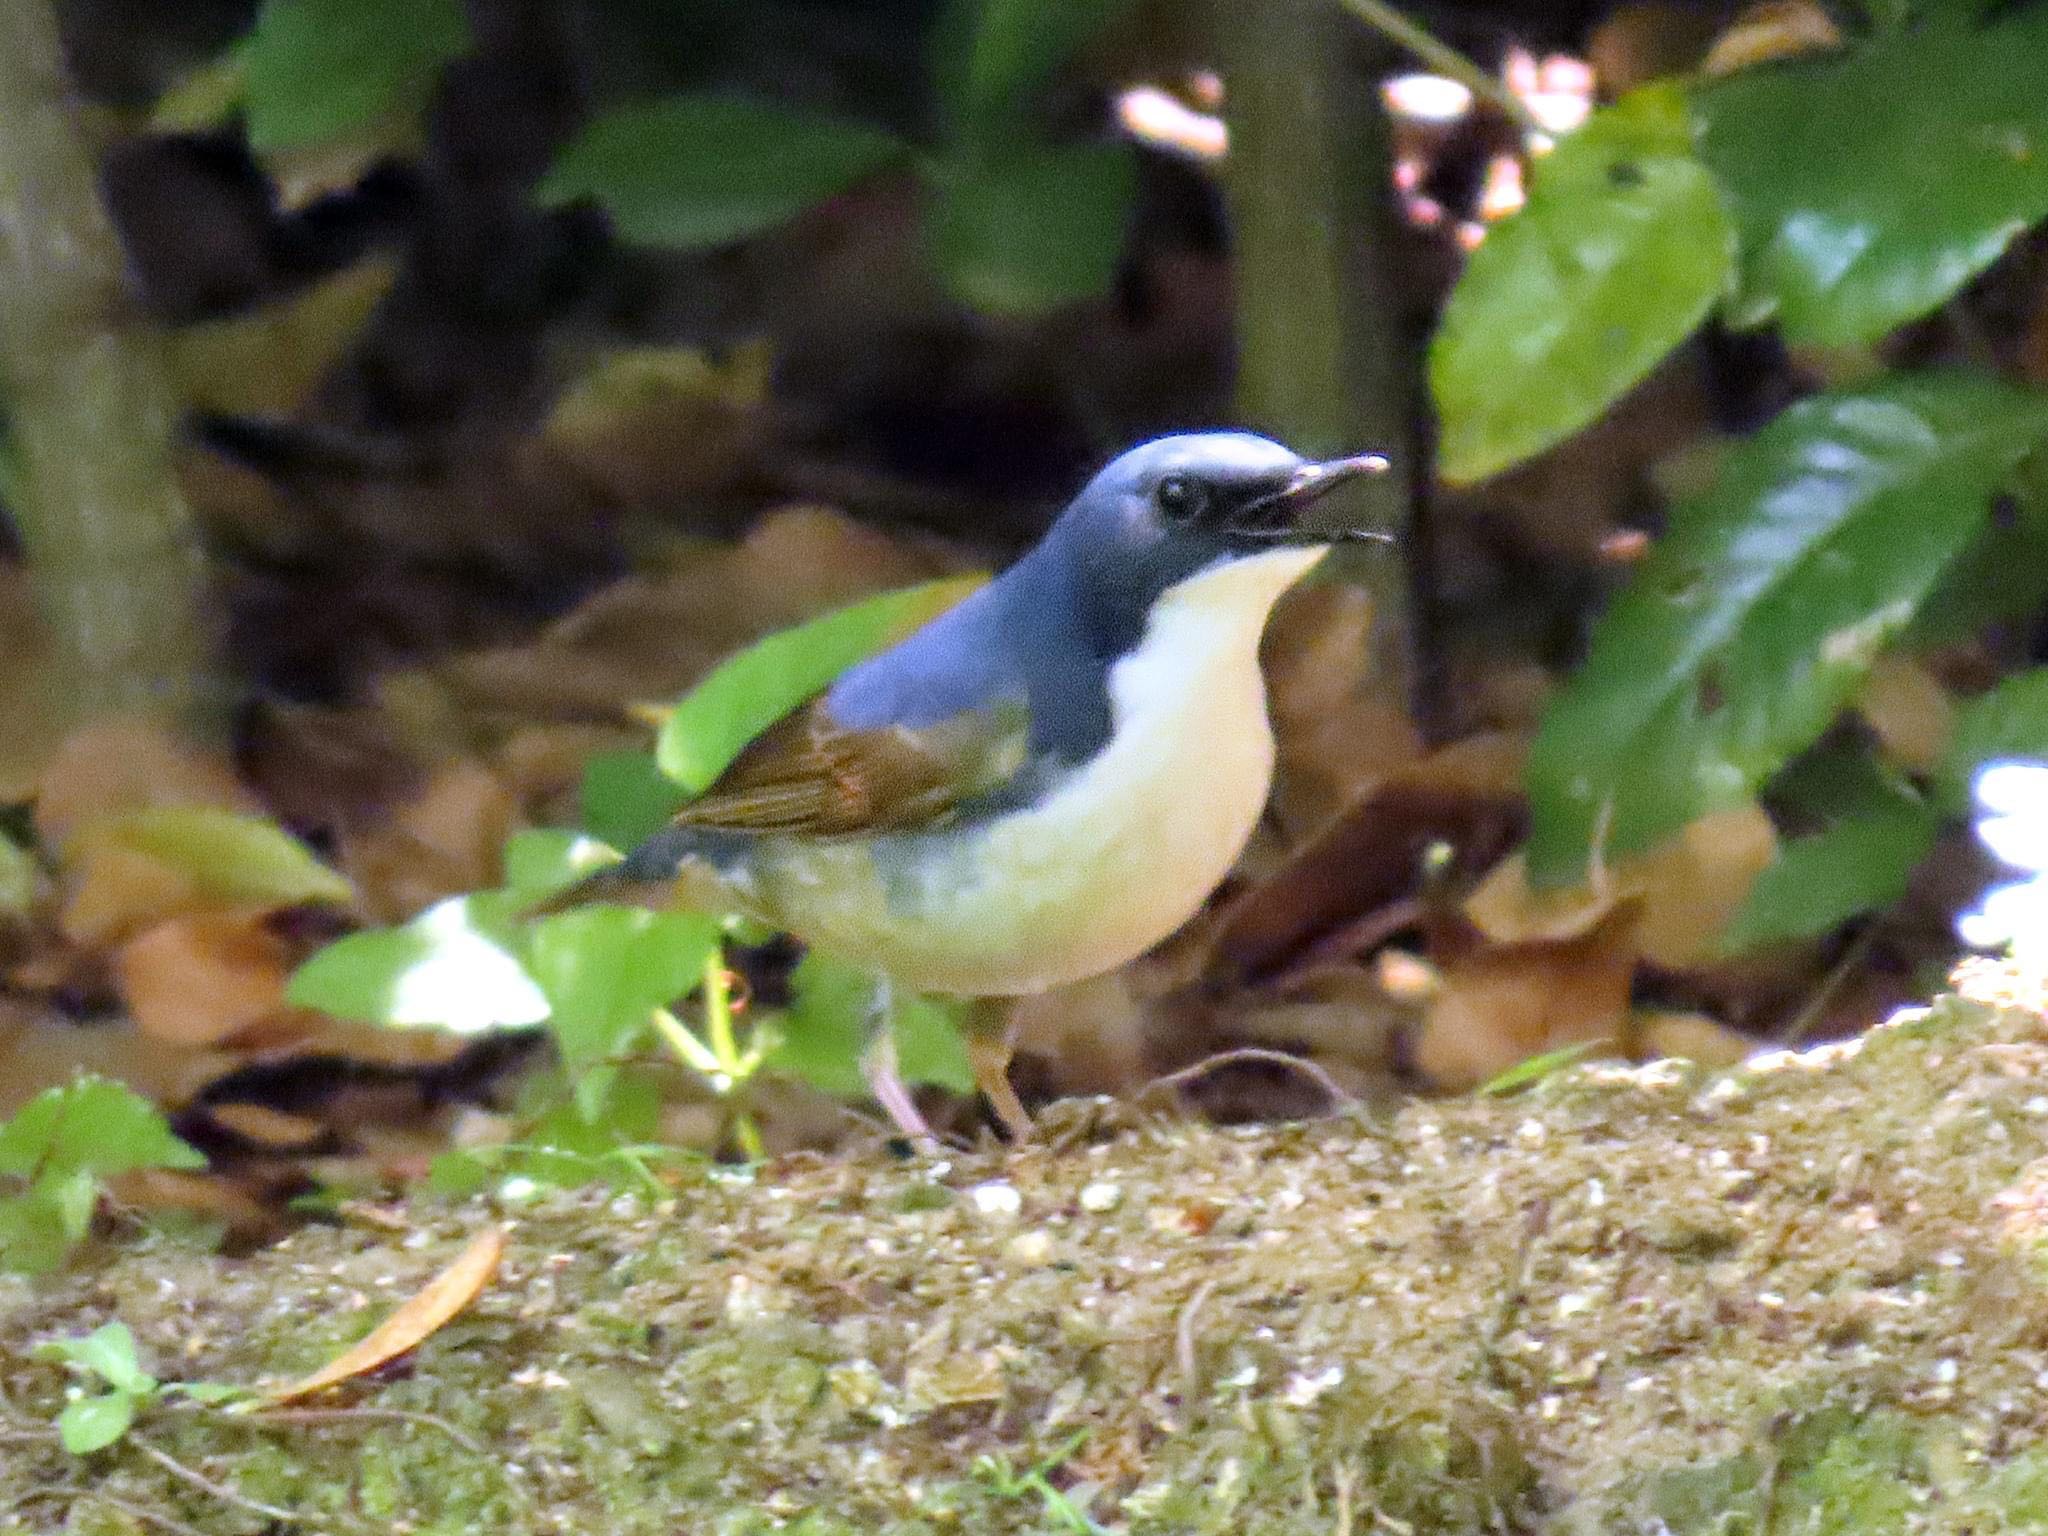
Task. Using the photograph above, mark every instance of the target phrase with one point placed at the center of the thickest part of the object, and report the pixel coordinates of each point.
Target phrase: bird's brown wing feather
(809, 774)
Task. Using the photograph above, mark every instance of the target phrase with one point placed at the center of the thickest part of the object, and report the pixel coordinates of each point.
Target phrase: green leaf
(1869, 186)
(109, 1353)
(232, 858)
(605, 969)
(825, 1033)
(1533, 1069)
(1755, 617)
(544, 860)
(2002, 578)
(749, 692)
(995, 54)
(38, 1229)
(626, 798)
(706, 170)
(454, 967)
(2009, 721)
(1620, 251)
(319, 69)
(17, 876)
(93, 1125)
(1817, 883)
(1035, 229)
(90, 1424)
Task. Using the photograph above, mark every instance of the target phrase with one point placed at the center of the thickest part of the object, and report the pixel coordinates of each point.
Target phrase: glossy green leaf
(1756, 616)
(1817, 883)
(2002, 578)
(605, 969)
(747, 693)
(232, 858)
(109, 1353)
(90, 1424)
(541, 861)
(92, 1125)
(996, 54)
(318, 69)
(825, 1032)
(453, 967)
(17, 876)
(1036, 229)
(626, 798)
(1868, 186)
(706, 170)
(1620, 251)
(2009, 721)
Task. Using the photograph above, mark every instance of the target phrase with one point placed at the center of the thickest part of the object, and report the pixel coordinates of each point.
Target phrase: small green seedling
(106, 1357)
(55, 1155)
(1531, 1070)
(1009, 1483)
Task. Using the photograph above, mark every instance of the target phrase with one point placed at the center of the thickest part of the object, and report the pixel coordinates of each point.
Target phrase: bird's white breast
(1115, 858)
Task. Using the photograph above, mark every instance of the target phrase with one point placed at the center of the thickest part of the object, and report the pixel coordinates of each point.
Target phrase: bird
(1042, 782)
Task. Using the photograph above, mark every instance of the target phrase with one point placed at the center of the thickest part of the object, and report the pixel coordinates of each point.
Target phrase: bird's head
(1174, 507)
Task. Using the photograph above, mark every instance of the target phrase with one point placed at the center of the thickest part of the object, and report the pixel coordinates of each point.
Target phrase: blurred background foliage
(409, 405)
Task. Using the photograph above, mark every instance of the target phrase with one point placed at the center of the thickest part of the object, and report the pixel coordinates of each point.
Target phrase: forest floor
(1808, 1295)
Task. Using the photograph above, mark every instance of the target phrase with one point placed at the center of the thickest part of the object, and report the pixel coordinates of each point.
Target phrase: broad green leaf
(605, 969)
(17, 876)
(1620, 251)
(626, 798)
(1869, 186)
(454, 967)
(95, 1126)
(541, 861)
(231, 857)
(39, 1228)
(1034, 229)
(995, 54)
(318, 69)
(109, 1353)
(747, 693)
(90, 1424)
(825, 1032)
(1817, 883)
(1756, 616)
(705, 170)
(2001, 578)
(2009, 721)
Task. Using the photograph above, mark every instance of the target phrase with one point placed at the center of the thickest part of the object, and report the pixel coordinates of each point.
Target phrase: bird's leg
(878, 1065)
(988, 1052)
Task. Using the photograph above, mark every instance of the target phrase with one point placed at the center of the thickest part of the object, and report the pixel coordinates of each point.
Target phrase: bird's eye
(1181, 500)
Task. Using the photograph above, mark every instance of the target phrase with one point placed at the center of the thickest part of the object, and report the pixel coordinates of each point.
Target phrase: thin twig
(290, 1416)
(208, 1486)
(1184, 1348)
(1339, 1096)
(78, 1491)
(1801, 1024)
(1444, 59)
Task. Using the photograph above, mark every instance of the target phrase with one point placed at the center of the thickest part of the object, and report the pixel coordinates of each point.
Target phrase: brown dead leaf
(1367, 861)
(1501, 1006)
(1685, 891)
(1694, 1036)
(1340, 724)
(444, 1296)
(271, 1129)
(445, 840)
(1771, 30)
(1910, 711)
(204, 978)
(128, 765)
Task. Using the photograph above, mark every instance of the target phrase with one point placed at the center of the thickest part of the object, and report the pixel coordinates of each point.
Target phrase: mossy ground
(1809, 1299)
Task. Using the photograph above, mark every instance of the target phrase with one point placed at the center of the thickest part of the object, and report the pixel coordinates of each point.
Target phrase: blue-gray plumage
(1051, 777)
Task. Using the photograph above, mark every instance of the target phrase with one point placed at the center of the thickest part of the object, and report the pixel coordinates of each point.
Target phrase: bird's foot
(878, 1066)
(989, 1055)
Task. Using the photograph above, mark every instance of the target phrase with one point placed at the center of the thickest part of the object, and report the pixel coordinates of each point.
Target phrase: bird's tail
(674, 868)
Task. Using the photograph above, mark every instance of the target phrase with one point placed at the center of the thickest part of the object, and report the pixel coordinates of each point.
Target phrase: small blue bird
(1044, 781)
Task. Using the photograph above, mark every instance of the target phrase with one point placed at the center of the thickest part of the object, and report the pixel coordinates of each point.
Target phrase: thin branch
(1444, 59)
(1339, 1096)
(208, 1486)
(295, 1416)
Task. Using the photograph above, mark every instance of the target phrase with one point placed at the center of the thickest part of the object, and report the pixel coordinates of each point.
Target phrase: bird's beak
(1273, 515)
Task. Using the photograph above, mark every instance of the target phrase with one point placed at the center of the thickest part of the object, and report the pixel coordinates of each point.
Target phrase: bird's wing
(809, 774)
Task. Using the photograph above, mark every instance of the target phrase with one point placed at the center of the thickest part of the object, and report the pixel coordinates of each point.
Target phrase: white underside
(1115, 859)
